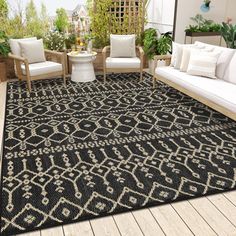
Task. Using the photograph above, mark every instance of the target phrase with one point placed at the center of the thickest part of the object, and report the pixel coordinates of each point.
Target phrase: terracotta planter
(9, 65)
(3, 72)
(98, 63)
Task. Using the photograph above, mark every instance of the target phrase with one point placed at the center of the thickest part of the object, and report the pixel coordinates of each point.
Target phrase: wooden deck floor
(212, 215)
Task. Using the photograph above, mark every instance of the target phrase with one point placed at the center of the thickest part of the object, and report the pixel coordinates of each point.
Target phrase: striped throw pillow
(203, 63)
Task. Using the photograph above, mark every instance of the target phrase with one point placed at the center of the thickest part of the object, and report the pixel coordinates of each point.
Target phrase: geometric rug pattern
(92, 149)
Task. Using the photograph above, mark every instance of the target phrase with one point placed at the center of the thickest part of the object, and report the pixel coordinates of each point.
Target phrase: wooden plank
(56, 231)
(170, 221)
(36, 233)
(191, 217)
(213, 216)
(127, 225)
(147, 223)
(226, 207)
(231, 196)
(2, 99)
(81, 229)
(105, 226)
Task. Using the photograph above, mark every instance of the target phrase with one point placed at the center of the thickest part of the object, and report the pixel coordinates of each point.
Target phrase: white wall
(160, 15)
(220, 10)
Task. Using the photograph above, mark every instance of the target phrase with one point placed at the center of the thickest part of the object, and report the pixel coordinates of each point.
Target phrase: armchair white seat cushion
(15, 46)
(41, 68)
(134, 62)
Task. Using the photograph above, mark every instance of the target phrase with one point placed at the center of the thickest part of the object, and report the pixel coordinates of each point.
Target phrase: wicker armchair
(122, 65)
(54, 66)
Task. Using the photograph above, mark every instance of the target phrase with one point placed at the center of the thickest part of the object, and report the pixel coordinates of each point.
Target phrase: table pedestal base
(83, 72)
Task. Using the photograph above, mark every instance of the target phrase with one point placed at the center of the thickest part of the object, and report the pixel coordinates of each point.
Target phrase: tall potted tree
(4, 50)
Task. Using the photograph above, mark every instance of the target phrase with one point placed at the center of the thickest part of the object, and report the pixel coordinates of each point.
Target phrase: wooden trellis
(126, 16)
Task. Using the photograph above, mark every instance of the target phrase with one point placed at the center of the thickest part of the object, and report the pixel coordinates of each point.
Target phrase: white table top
(81, 54)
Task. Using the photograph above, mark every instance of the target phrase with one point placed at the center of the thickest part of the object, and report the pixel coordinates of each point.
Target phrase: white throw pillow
(33, 51)
(177, 53)
(122, 46)
(230, 75)
(15, 47)
(203, 63)
(187, 53)
(226, 54)
(174, 53)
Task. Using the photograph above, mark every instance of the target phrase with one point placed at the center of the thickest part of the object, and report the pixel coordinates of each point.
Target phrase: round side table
(82, 66)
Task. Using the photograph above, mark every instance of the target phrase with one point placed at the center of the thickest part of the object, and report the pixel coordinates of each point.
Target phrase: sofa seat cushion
(42, 68)
(217, 91)
(132, 63)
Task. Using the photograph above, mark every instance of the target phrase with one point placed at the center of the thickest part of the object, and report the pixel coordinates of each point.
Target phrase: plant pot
(90, 46)
(151, 66)
(98, 63)
(3, 72)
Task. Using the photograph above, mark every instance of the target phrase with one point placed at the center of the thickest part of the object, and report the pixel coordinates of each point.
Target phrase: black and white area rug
(88, 150)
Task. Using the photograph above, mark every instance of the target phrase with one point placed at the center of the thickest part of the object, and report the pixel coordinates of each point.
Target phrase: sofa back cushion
(15, 47)
(230, 74)
(224, 59)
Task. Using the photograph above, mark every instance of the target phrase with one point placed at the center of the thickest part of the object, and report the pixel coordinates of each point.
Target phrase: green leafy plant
(25, 20)
(4, 45)
(54, 40)
(61, 21)
(150, 42)
(70, 40)
(100, 22)
(105, 20)
(207, 3)
(154, 45)
(203, 25)
(164, 44)
(228, 32)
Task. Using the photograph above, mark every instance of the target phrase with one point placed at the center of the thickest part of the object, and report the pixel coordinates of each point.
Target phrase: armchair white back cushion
(33, 51)
(15, 47)
(122, 46)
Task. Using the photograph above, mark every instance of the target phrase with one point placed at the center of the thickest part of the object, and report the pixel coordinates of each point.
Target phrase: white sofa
(219, 94)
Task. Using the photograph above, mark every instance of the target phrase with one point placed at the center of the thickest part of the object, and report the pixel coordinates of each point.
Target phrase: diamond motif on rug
(93, 149)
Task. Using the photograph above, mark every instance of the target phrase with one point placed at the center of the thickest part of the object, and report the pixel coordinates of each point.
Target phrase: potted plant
(202, 27)
(70, 40)
(207, 3)
(154, 45)
(228, 32)
(89, 41)
(4, 50)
